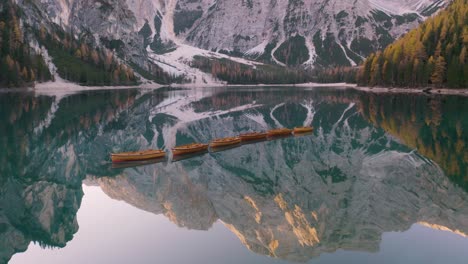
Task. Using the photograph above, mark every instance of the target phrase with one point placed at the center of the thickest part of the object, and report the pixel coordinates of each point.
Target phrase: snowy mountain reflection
(371, 166)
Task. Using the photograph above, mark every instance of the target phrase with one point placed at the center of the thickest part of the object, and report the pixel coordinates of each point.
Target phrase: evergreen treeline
(19, 65)
(335, 75)
(434, 54)
(238, 73)
(82, 63)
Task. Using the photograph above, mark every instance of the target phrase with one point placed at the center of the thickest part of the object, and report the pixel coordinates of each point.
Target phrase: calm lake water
(382, 179)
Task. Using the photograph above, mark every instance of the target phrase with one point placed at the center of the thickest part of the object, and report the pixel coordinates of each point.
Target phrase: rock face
(333, 32)
(299, 32)
(291, 198)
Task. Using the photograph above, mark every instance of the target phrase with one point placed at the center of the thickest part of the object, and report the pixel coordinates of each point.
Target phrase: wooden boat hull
(279, 132)
(137, 156)
(299, 130)
(303, 134)
(253, 136)
(184, 150)
(225, 142)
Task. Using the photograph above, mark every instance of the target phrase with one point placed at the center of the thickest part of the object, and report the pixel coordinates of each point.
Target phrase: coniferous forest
(82, 63)
(238, 73)
(19, 64)
(76, 60)
(432, 55)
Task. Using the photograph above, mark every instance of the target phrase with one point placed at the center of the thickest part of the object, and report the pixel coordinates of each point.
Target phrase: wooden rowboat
(190, 148)
(305, 134)
(298, 130)
(279, 132)
(253, 136)
(138, 155)
(223, 142)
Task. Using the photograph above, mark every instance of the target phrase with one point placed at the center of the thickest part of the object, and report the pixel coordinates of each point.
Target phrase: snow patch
(353, 63)
(257, 50)
(50, 115)
(310, 112)
(277, 123)
(178, 63)
(273, 54)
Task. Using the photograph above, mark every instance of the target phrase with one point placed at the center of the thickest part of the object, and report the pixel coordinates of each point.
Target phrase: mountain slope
(159, 39)
(20, 64)
(433, 54)
(347, 30)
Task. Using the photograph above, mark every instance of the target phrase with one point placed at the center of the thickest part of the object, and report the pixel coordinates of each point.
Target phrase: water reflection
(357, 176)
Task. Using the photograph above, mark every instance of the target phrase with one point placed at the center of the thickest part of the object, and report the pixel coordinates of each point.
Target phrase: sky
(114, 232)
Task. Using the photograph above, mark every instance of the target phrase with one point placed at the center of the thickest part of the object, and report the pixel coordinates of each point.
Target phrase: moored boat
(299, 130)
(279, 132)
(138, 155)
(253, 136)
(189, 149)
(303, 134)
(223, 142)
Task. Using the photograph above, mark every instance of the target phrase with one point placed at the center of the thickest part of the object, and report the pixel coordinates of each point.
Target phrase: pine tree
(438, 74)
(420, 57)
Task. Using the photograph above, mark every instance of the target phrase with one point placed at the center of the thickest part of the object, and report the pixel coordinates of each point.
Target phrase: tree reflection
(354, 178)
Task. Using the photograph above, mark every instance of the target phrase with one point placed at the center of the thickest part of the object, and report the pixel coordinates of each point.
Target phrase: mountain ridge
(159, 39)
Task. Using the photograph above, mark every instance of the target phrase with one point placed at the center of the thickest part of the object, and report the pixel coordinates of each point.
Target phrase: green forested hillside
(434, 54)
(76, 60)
(82, 63)
(19, 65)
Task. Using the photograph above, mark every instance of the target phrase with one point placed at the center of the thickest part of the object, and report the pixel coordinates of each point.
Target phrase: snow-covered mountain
(169, 33)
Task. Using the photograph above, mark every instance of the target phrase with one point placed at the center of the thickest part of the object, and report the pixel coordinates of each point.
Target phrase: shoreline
(427, 91)
(64, 87)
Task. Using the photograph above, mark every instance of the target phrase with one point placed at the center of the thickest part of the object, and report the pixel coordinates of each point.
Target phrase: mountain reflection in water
(374, 164)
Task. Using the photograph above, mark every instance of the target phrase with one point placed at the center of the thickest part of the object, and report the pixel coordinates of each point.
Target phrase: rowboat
(138, 155)
(305, 134)
(190, 148)
(279, 132)
(299, 130)
(253, 136)
(223, 142)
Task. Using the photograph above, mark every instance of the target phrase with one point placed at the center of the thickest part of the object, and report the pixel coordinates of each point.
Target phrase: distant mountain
(434, 54)
(160, 39)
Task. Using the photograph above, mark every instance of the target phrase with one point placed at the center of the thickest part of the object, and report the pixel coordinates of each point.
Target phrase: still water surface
(383, 178)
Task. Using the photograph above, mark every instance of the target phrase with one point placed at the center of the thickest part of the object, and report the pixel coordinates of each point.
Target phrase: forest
(19, 64)
(77, 61)
(238, 73)
(432, 55)
(80, 62)
(339, 74)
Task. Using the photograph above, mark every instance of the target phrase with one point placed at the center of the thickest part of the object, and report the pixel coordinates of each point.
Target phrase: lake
(382, 179)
